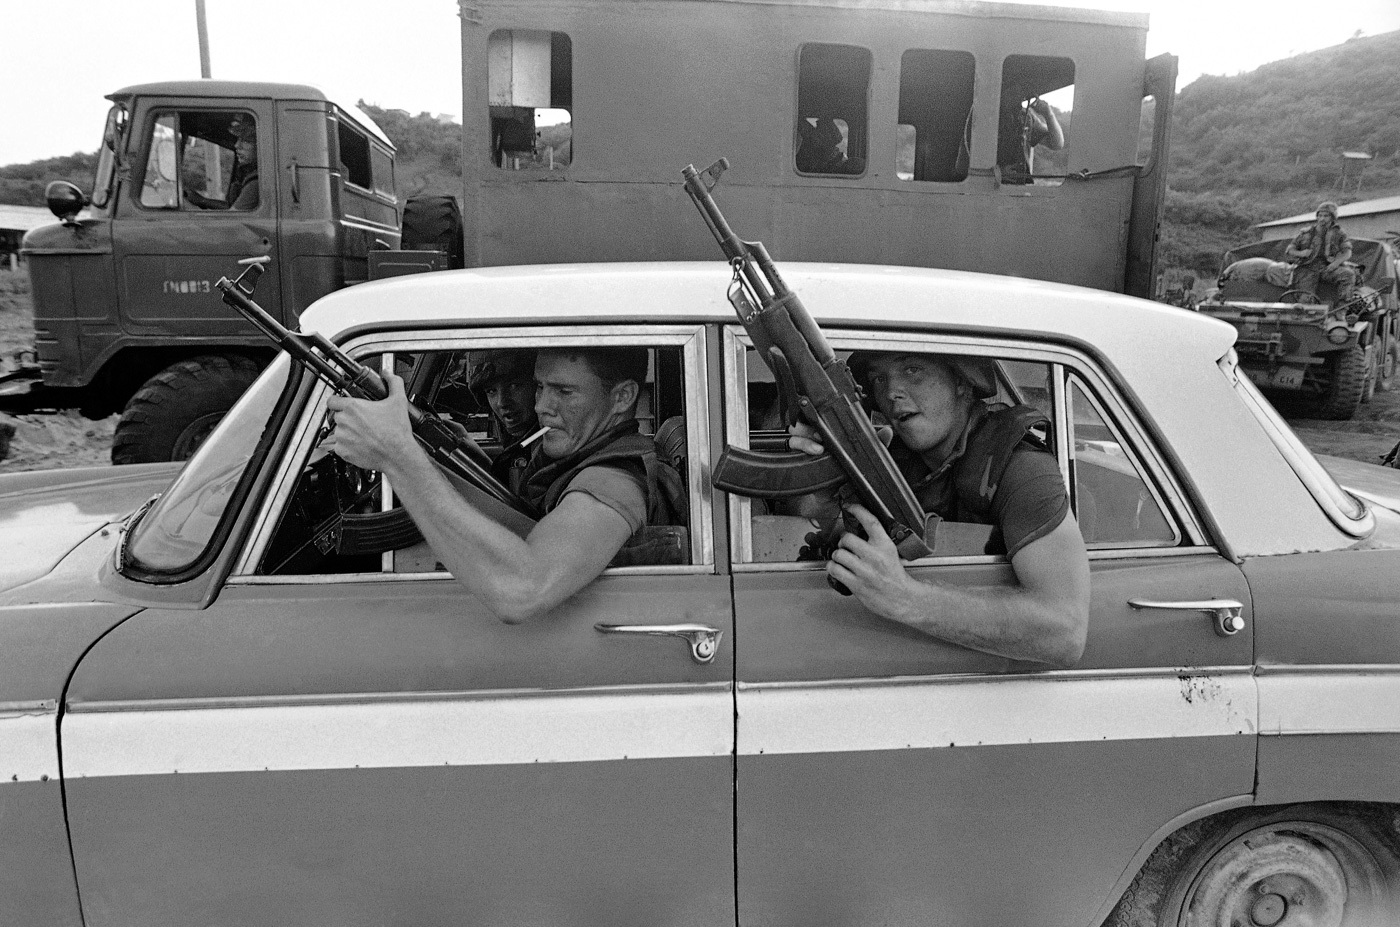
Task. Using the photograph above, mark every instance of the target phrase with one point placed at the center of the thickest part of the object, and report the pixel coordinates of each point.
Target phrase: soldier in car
(587, 479)
(504, 381)
(971, 462)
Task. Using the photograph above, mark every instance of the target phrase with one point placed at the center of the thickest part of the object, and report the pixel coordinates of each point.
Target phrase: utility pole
(203, 38)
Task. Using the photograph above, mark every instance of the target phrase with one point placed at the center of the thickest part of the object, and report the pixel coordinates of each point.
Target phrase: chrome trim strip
(482, 730)
(28, 741)
(1362, 699)
(1057, 707)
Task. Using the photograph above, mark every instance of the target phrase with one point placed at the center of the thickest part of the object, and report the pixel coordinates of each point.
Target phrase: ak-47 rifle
(456, 453)
(806, 368)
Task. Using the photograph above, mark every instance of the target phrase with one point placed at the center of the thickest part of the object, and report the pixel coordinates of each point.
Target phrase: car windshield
(182, 522)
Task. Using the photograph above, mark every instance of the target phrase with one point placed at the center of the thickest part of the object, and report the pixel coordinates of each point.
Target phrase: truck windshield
(178, 528)
(112, 140)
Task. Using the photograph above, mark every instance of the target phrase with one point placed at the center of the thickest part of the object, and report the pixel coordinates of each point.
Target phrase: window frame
(182, 207)
(866, 97)
(690, 339)
(1065, 363)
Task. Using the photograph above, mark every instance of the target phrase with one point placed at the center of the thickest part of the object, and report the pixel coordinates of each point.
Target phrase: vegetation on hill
(23, 184)
(1269, 143)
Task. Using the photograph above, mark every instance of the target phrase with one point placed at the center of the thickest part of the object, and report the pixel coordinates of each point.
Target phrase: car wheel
(172, 414)
(1306, 866)
(1347, 384)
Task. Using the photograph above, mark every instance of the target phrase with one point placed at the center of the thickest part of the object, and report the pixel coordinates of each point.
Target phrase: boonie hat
(1328, 207)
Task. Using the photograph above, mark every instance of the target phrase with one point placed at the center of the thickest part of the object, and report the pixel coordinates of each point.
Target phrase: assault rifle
(457, 454)
(807, 370)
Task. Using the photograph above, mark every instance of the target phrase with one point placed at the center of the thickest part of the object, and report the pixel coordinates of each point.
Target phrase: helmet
(979, 373)
(1328, 207)
(486, 367)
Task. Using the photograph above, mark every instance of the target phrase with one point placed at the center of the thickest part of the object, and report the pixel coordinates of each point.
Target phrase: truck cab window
(354, 155)
(832, 131)
(530, 88)
(201, 159)
(1033, 125)
(934, 133)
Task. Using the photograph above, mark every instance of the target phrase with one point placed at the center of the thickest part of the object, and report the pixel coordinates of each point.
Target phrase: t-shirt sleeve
(1030, 501)
(621, 491)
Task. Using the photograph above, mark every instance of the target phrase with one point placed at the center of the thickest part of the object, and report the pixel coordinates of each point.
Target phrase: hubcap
(1297, 874)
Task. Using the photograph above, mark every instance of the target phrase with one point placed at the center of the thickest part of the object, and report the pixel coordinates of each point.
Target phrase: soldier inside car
(969, 461)
(588, 478)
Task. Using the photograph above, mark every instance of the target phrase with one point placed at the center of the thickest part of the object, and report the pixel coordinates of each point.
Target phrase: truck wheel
(1347, 370)
(433, 223)
(172, 414)
(1308, 865)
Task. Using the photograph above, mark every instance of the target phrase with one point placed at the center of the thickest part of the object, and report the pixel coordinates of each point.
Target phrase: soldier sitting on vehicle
(588, 478)
(1320, 253)
(970, 462)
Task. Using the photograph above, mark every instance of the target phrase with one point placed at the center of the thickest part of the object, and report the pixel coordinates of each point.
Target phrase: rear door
(884, 776)
(355, 740)
(169, 250)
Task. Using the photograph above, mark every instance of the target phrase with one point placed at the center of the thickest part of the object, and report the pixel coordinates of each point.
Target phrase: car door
(884, 776)
(356, 740)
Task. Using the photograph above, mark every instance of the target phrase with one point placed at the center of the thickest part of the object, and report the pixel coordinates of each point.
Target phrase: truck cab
(194, 176)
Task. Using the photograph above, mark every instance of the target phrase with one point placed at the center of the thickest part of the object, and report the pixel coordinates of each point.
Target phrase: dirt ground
(44, 442)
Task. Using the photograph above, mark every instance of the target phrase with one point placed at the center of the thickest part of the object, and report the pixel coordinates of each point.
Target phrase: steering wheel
(1302, 297)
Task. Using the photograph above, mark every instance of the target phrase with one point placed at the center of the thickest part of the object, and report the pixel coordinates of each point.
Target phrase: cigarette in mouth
(534, 437)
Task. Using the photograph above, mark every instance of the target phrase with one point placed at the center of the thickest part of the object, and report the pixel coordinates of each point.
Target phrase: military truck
(126, 315)
(1315, 347)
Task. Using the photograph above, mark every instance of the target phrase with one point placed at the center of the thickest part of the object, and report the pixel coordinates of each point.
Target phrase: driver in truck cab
(969, 461)
(242, 192)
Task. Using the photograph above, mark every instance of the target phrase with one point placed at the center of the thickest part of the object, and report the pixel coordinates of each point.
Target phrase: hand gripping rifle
(458, 455)
(805, 367)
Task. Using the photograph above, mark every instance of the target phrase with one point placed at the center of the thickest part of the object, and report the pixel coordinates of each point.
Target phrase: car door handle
(1223, 613)
(703, 639)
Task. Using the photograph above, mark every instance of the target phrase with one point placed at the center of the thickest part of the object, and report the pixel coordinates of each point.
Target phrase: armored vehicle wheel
(172, 414)
(1346, 372)
(1306, 866)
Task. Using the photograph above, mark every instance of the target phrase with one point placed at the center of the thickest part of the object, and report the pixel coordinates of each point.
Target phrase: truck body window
(530, 92)
(1037, 100)
(832, 131)
(192, 161)
(354, 156)
(935, 112)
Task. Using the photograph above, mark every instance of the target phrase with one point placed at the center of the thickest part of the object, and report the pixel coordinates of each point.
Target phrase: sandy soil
(43, 442)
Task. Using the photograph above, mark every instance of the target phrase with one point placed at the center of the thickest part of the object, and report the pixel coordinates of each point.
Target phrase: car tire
(433, 223)
(1347, 387)
(175, 410)
(1309, 864)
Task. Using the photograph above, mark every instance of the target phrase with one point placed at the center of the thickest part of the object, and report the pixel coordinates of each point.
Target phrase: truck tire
(1308, 864)
(433, 223)
(172, 414)
(1347, 372)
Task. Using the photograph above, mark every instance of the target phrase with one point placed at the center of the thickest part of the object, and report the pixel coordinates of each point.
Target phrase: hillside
(1268, 143)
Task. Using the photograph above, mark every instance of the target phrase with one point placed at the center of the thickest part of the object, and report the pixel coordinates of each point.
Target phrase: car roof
(838, 295)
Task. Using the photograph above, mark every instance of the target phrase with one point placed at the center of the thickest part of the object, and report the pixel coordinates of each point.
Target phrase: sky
(58, 58)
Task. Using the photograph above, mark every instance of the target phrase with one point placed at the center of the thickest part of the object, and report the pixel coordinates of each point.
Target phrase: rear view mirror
(64, 200)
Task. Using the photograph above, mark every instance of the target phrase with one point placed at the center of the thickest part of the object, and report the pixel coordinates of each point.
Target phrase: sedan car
(214, 710)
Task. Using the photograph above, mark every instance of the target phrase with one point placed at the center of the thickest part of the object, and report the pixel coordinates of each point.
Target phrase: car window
(1115, 497)
(339, 519)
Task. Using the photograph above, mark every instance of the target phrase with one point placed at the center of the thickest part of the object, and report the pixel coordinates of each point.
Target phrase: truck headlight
(1338, 334)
